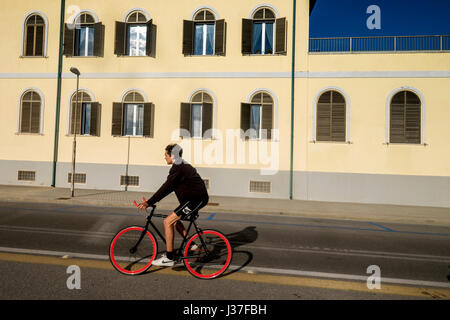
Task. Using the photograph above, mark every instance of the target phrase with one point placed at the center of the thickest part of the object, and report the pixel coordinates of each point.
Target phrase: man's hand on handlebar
(143, 205)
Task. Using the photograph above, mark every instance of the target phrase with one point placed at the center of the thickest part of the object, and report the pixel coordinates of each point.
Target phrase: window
(196, 116)
(133, 117)
(405, 118)
(204, 35)
(84, 38)
(30, 113)
(84, 116)
(331, 117)
(135, 37)
(257, 116)
(34, 36)
(264, 34)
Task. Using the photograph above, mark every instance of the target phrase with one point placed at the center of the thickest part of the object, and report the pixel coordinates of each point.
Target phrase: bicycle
(206, 254)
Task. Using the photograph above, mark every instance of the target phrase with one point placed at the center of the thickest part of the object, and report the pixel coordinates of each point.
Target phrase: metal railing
(380, 44)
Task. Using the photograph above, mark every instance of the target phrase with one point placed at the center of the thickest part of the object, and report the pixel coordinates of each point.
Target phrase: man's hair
(174, 149)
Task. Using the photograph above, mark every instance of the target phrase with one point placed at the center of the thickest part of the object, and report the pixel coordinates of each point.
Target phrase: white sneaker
(163, 262)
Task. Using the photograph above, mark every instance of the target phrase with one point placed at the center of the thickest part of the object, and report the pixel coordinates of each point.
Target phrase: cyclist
(191, 192)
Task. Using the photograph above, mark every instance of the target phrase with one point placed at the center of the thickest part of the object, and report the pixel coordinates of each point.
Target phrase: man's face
(168, 158)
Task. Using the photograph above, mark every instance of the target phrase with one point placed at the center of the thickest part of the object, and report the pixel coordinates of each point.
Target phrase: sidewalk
(312, 209)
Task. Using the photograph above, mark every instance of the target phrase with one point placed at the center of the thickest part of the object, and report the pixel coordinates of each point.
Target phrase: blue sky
(337, 18)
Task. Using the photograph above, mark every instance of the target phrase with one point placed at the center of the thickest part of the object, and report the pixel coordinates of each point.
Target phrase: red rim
(218, 272)
(113, 260)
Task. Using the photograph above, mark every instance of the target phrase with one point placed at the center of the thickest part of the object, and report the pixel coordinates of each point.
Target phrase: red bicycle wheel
(126, 257)
(210, 258)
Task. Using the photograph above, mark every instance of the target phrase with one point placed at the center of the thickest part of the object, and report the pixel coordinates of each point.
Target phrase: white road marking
(248, 269)
(84, 235)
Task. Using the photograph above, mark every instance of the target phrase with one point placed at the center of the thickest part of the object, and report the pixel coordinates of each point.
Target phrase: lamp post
(77, 73)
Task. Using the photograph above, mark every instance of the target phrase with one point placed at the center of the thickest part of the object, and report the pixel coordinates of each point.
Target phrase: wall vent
(129, 181)
(79, 177)
(26, 175)
(260, 186)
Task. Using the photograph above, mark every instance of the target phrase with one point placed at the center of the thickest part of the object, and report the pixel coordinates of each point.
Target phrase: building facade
(236, 84)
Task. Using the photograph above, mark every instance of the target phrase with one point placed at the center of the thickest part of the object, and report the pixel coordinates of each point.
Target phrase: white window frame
(86, 46)
(263, 38)
(144, 27)
(260, 121)
(135, 120)
(201, 121)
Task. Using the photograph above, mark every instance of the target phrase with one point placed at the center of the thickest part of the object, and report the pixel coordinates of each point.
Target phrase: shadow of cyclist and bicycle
(241, 258)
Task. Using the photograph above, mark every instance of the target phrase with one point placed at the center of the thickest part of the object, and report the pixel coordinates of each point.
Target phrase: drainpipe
(291, 173)
(58, 92)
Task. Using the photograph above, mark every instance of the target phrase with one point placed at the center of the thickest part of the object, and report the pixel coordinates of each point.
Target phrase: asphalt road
(275, 257)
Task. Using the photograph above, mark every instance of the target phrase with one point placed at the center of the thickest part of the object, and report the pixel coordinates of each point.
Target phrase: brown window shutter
(120, 38)
(247, 36)
(412, 118)
(323, 127)
(95, 119)
(69, 38)
(397, 125)
(397, 118)
(29, 41)
(25, 117)
(149, 121)
(207, 117)
(148, 40)
(98, 39)
(117, 119)
(266, 121)
(280, 36)
(188, 37)
(220, 37)
(245, 117)
(75, 118)
(185, 119)
(338, 122)
(35, 117)
(39, 49)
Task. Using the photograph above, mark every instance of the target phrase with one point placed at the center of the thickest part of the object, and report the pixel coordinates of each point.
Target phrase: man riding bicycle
(191, 192)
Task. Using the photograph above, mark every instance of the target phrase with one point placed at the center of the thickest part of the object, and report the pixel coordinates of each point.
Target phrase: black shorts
(186, 208)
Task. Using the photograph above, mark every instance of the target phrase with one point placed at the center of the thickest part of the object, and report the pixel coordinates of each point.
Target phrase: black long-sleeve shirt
(185, 181)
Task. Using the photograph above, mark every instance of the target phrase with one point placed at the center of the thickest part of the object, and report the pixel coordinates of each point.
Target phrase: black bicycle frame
(149, 222)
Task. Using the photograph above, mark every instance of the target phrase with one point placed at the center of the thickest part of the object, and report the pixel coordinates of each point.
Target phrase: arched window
(405, 118)
(136, 34)
(30, 112)
(331, 117)
(34, 36)
(135, 37)
(204, 35)
(133, 116)
(197, 115)
(84, 37)
(84, 116)
(257, 116)
(264, 33)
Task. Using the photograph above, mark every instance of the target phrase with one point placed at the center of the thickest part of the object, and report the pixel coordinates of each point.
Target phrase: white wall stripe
(281, 74)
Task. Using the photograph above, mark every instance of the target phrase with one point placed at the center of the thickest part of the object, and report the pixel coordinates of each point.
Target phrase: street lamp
(77, 73)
